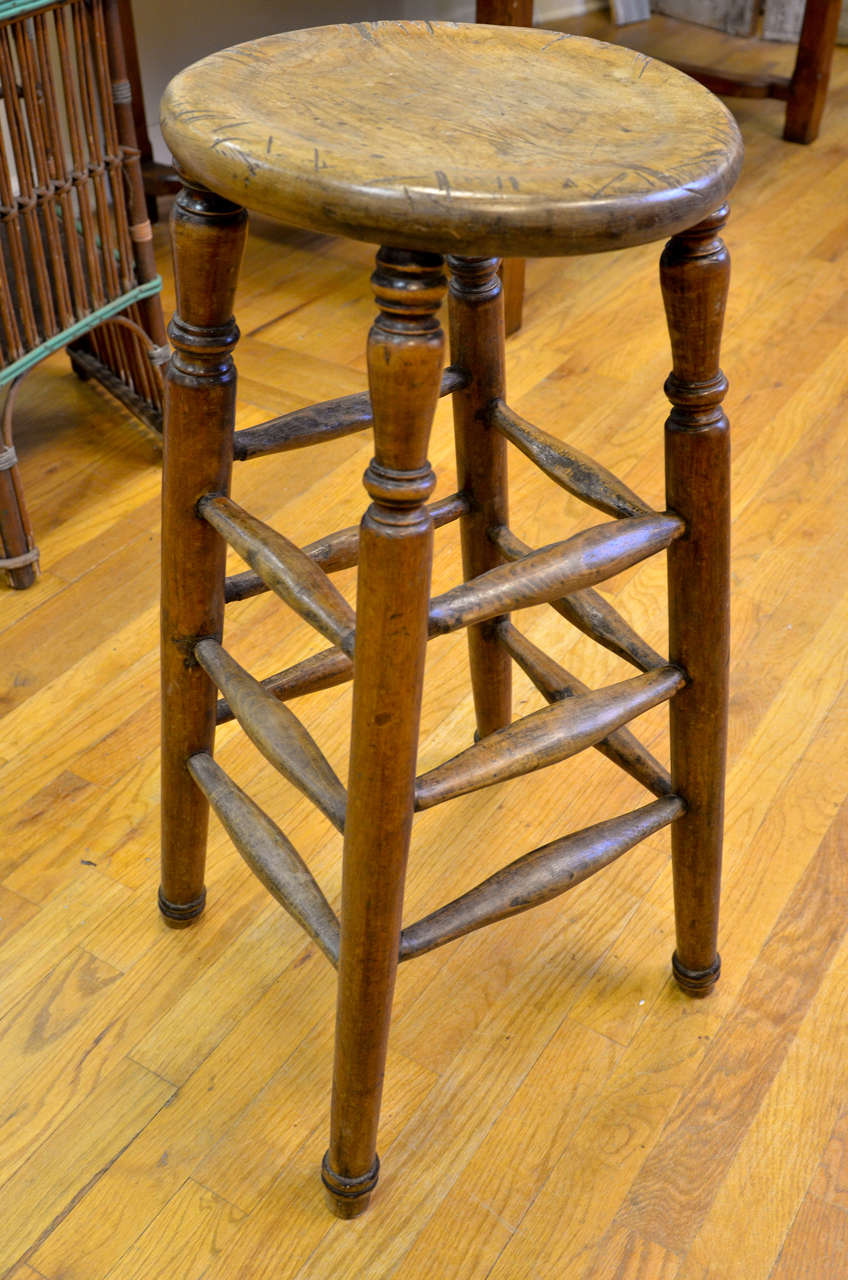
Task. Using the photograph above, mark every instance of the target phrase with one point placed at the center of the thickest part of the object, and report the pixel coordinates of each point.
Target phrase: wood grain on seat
(460, 138)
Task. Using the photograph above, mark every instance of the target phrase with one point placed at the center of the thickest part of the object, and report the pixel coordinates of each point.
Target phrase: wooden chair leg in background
(405, 356)
(208, 237)
(509, 13)
(477, 344)
(513, 273)
(16, 544)
(695, 272)
(808, 88)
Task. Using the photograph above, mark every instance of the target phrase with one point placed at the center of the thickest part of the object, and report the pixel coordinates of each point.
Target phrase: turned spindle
(405, 357)
(694, 273)
(477, 346)
(208, 237)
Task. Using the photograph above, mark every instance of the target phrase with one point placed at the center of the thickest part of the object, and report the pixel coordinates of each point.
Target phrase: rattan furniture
(76, 251)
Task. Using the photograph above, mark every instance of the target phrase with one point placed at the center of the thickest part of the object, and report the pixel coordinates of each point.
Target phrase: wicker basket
(76, 252)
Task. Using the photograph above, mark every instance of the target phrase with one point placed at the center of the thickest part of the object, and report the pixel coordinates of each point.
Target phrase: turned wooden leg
(477, 346)
(694, 272)
(808, 89)
(405, 357)
(208, 238)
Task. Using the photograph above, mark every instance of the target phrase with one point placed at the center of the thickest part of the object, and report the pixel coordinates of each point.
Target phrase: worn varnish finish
(538, 876)
(587, 610)
(284, 568)
(208, 237)
(318, 424)
(269, 854)
(537, 1115)
(694, 271)
(562, 729)
(477, 345)
(566, 466)
(275, 730)
(322, 671)
(660, 172)
(546, 575)
(405, 357)
(555, 683)
(661, 152)
(340, 550)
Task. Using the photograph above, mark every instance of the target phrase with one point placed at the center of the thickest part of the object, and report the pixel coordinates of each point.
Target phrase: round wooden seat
(461, 139)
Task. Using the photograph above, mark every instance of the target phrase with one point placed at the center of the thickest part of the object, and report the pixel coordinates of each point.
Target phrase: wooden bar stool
(471, 142)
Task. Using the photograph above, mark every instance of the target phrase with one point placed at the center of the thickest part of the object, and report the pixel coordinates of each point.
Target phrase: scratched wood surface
(554, 1107)
(364, 158)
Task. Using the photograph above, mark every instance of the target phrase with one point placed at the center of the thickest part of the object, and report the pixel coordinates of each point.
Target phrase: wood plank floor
(554, 1108)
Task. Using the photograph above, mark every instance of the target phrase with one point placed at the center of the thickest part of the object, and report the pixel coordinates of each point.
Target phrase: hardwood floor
(555, 1108)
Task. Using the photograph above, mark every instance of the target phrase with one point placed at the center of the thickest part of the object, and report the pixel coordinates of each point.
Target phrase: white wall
(173, 33)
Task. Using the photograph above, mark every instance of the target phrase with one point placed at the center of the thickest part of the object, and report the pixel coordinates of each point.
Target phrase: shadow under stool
(471, 142)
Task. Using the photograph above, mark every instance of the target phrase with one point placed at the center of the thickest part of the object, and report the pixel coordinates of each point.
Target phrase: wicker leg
(15, 541)
(208, 236)
(477, 346)
(694, 272)
(405, 353)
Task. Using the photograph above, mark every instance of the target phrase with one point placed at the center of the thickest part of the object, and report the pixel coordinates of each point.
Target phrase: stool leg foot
(348, 1197)
(405, 355)
(477, 345)
(179, 914)
(694, 273)
(696, 982)
(208, 237)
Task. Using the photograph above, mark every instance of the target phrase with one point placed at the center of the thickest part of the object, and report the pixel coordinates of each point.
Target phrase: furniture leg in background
(509, 13)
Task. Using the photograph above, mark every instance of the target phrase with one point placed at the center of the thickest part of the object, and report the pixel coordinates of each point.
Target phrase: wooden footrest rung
(538, 876)
(269, 854)
(589, 612)
(328, 420)
(554, 571)
(319, 422)
(547, 736)
(574, 471)
(276, 731)
(321, 671)
(340, 550)
(285, 569)
(555, 683)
